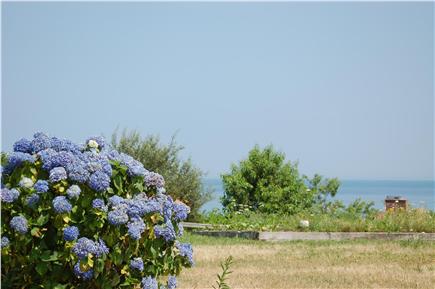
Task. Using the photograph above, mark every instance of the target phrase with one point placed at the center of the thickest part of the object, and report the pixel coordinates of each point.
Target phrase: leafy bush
(183, 179)
(87, 217)
(264, 182)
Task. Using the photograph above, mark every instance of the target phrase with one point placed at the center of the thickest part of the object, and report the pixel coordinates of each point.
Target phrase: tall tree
(183, 179)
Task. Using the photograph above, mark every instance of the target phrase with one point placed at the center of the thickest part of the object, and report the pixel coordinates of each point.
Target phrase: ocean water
(420, 194)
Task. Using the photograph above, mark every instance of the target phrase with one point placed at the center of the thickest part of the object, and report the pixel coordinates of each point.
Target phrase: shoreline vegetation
(411, 220)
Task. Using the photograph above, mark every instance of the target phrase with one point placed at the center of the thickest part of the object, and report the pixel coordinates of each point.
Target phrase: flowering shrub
(86, 216)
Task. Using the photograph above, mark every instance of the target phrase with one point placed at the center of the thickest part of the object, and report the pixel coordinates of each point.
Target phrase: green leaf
(99, 266)
(35, 232)
(42, 220)
(115, 280)
(51, 257)
(41, 268)
(153, 252)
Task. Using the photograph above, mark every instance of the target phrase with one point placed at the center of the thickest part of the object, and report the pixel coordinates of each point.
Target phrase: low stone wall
(289, 236)
(285, 236)
(230, 234)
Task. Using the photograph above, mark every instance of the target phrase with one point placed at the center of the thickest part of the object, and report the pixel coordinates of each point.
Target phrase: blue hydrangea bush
(87, 216)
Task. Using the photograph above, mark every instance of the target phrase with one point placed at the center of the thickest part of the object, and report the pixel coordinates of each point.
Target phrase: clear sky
(346, 89)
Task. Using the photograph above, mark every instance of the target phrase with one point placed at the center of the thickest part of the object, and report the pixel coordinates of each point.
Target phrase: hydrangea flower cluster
(99, 205)
(26, 183)
(9, 196)
(84, 275)
(109, 214)
(4, 242)
(73, 192)
(85, 246)
(19, 224)
(32, 200)
(186, 251)
(41, 186)
(70, 233)
(61, 205)
(149, 282)
(137, 263)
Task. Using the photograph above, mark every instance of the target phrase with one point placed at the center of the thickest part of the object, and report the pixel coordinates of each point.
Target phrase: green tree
(183, 180)
(323, 190)
(266, 182)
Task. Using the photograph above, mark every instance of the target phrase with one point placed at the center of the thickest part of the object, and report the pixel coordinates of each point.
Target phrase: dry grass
(313, 264)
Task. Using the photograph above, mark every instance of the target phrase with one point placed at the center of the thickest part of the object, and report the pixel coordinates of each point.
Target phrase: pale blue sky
(344, 88)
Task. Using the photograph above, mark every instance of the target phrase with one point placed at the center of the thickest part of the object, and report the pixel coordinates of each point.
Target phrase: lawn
(313, 264)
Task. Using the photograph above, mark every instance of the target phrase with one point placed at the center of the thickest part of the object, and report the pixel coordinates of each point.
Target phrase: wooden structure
(395, 202)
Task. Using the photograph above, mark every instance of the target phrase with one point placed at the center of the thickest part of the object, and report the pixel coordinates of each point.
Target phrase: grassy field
(313, 264)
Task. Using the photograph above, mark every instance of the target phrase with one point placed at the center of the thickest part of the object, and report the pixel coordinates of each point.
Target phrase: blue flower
(57, 174)
(62, 159)
(41, 186)
(51, 159)
(137, 207)
(172, 282)
(46, 157)
(97, 162)
(117, 217)
(5, 242)
(154, 180)
(56, 144)
(32, 200)
(85, 246)
(99, 205)
(166, 231)
(181, 211)
(64, 145)
(136, 227)
(153, 206)
(185, 251)
(15, 159)
(111, 154)
(40, 142)
(115, 200)
(99, 181)
(70, 233)
(26, 183)
(167, 206)
(73, 192)
(19, 224)
(180, 230)
(9, 196)
(102, 248)
(61, 205)
(85, 275)
(23, 145)
(136, 264)
(77, 171)
(134, 167)
(149, 283)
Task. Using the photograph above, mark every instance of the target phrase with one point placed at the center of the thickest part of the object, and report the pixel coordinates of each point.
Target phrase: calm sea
(419, 194)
